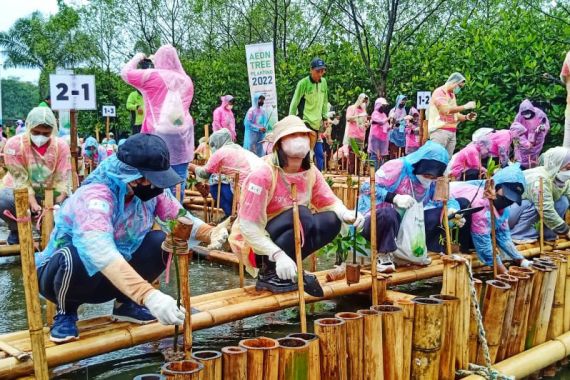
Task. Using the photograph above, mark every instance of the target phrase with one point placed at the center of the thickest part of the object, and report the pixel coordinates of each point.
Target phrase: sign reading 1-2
(72, 92)
(423, 98)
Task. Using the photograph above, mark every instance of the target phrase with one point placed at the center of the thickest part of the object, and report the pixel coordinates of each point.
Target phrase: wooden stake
(314, 354)
(392, 340)
(373, 235)
(31, 290)
(373, 356)
(262, 358)
(207, 136)
(490, 195)
(509, 314)
(299, 259)
(14, 352)
(107, 125)
(73, 150)
(234, 363)
(182, 370)
(97, 133)
(450, 328)
(494, 307)
(408, 308)
(427, 338)
(212, 362)
(184, 272)
(442, 194)
(541, 213)
(235, 205)
(46, 228)
(354, 337)
(293, 358)
(332, 345)
(218, 213)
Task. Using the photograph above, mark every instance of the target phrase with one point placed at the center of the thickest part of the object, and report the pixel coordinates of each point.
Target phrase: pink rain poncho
(468, 158)
(380, 126)
(224, 117)
(356, 120)
(29, 168)
(98, 155)
(412, 131)
(565, 78)
(536, 130)
(500, 145)
(167, 92)
(266, 194)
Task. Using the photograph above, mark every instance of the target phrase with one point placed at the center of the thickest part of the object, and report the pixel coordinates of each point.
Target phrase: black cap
(149, 154)
(512, 191)
(432, 167)
(318, 63)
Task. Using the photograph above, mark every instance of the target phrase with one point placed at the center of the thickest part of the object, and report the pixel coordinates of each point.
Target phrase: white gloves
(404, 201)
(457, 220)
(164, 308)
(470, 105)
(219, 235)
(285, 268)
(348, 217)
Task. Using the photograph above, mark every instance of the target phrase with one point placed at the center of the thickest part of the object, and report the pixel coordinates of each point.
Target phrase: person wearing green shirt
(310, 103)
(135, 104)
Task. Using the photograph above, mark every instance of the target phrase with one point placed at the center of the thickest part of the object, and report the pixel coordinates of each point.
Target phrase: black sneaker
(311, 285)
(131, 312)
(13, 238)
(270, 281)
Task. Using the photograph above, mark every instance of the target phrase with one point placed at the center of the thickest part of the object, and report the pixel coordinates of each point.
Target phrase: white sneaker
(525, 263)
(524, 241)
(385, 263)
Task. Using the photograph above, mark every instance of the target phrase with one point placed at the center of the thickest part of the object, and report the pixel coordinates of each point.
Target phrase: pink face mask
(296, 147)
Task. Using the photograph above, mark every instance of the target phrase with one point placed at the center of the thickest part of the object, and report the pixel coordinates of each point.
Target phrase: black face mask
(146, 192)
(502, 202)
(401, 105)
(260, 104)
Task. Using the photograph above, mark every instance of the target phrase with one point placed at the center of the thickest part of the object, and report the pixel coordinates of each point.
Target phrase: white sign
(422, 100)
(261, 73)
(72, 92)
(108, 111)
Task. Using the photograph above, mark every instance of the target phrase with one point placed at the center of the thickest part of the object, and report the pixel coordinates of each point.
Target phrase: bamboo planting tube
(332, 348)
(567, 292)
(539, 315)
(314, 354)
(293, 359)
(212, 362)
(354, 337)
(556, 322)
(517, 328)
(392, 342)
(183, 273)
(262, 358)
(473, 326)
(46, 228)
(541, 214)
(299, 259)
(428, 315)
(234, 363)
(494, 308)
(509, 314)
(519, 341)
(373, 235)
(449, 335)
(373, 362)
(182, 370)
(408, 309)
(31, 290)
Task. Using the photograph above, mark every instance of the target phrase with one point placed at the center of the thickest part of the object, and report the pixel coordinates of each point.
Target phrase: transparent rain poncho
(224, 117)
(355, 120)
(536, 131)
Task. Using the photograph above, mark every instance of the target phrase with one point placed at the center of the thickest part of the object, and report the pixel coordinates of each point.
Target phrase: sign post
(261, 74)
(108, 112)
(422, 100)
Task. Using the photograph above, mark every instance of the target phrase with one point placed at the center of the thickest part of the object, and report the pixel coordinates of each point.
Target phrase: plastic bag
(411, 239)
(171, 113)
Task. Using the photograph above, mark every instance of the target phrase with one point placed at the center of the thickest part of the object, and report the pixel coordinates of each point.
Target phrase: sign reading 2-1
(72, 92)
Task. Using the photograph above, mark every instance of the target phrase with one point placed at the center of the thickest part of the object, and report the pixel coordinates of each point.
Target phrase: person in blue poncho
(255, 123)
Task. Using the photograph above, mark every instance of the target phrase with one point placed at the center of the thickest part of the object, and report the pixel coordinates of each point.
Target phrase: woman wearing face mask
(397, 117)
(228, 159)
(263, 231)
(378, 138)
(36, 160)
(400, 183)
(255, 123)
(103, 246)
(555, 174)
(412, 131)
(356, 125)
(466, 164)
(444, 114)
(536, 124)
(224, 117)
(93, 153)
(476, 232)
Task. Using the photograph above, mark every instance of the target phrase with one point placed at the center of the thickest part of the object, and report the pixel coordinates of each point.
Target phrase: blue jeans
(254, 140)
(182, 171)
(226, 197)
(319, 155)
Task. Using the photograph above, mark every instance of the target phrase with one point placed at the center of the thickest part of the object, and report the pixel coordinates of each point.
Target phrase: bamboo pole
(473, 325)
(314, 354)
(31, 290)
(354, 337)
(556, 322)
(182, 370)
(13, 351)
(517, 331)
(542, 298)
(567, 292)
(541, 213)
(426, 347)
(46, 228)
(490, 195)
(219, 193)
(373, 359)
(408, 308)
(235, 205)
(299, 259)
(332, 345)
(234, 363)
(509, 314)
(373, 235)
(73, 149)
(262, 358)
(293, 359)
(494, 308)
(184, 272)
(392, 340)
(212, 362)
(449, 335)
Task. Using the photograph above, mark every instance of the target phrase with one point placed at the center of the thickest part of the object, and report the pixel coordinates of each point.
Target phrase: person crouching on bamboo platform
(476, 231)
(103, 246)
(37, 160)
(228, 159)
(400, 183)
(263, 231)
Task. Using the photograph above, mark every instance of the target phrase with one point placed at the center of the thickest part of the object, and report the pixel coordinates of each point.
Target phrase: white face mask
(563, 176)
(426, 182)
(230, 106)
(39, 140)
(296, 147)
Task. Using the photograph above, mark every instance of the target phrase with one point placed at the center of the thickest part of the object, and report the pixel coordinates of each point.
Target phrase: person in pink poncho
(167, 92)
(378, 137)
(537, 126)
(356, 125)
(412, 131)
(224, 116)
(466, 165)
(565, 78)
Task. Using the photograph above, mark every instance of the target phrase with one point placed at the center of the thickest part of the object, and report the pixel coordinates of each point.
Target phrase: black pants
(135, 129)
(64, 281)
(318, 230)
